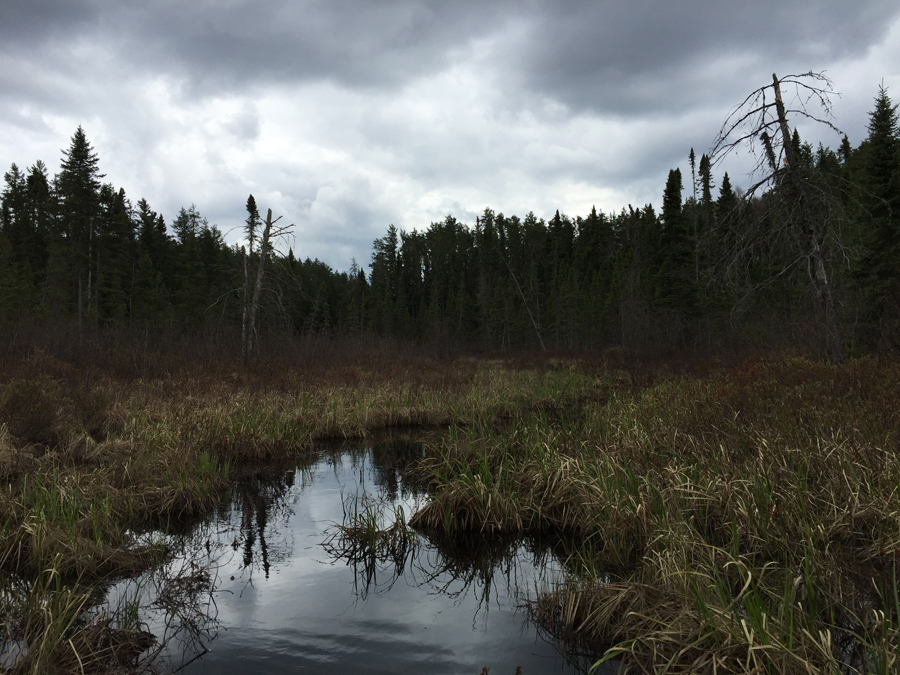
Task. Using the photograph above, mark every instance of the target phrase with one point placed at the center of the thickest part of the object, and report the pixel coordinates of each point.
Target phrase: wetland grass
(745, 521)
(742, 519)
(94, 456)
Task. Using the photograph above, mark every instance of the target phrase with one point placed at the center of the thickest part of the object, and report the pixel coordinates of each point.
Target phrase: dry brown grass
(744, 518)
(93, 453)
(750, 518)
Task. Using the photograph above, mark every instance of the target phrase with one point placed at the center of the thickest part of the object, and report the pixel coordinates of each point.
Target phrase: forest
(715, 268)
(694, 406)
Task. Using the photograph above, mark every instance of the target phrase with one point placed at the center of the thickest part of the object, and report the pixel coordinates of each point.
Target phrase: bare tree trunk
(833, 337)
(819, 276)
(250, 310)
(245, 317)
(782, 123)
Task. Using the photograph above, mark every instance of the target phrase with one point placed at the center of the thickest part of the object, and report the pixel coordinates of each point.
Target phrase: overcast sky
(345, 117)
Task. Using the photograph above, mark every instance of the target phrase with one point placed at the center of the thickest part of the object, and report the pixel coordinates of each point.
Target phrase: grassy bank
(735, 518)
(745, 521)
(92, 456)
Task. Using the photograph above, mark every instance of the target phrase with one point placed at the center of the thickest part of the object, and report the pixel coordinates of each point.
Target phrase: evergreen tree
(187, 224)
(675, 288)
(17, 291)
(115, 255)
(77, 190)
(40, 212)
(706, 229)
(385, 281)
(883, 145)
(190, 283)
(881, 272)
(593, 262)
(414, 270)
(253, 223)
(13, 222)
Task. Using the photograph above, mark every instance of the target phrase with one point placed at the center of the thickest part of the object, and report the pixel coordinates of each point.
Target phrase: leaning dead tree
(797, 200)
(262, 250)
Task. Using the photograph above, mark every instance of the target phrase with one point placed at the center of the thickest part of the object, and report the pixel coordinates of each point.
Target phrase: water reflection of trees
(249, 533)
(261, 500)
(392, 463)
(376, 542)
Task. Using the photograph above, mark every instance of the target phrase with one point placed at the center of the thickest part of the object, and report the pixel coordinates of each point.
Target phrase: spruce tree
(39, 214)
(675, 288)
(12, 209)
(881, 273)
(77, 190)
(883, 144)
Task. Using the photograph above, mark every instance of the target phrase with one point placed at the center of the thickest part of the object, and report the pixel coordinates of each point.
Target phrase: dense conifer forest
(712, 269)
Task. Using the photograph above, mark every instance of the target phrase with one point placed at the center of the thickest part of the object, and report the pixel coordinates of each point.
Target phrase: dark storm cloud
(597, 55)
(215, 44)
(623, 57)
(34, 22)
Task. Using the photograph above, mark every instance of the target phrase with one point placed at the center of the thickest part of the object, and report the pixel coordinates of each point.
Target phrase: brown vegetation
(716, 517)
(745, 521)
(95, 452)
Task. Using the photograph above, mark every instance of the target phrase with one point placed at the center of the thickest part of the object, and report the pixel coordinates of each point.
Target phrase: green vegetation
(745, 521)
(92, 456)
(725, 518)
(807, 259)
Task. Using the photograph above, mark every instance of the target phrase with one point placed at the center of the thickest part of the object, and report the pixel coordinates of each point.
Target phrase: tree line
(713, 268)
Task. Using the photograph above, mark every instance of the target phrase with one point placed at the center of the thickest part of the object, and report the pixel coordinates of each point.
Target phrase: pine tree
(187, 224)
(190, 283)
(384, 279)
(115, 255)
(17, 291)
(883, 144)
(706, 236)
(13, 213)
(77, 190)
(40, 210)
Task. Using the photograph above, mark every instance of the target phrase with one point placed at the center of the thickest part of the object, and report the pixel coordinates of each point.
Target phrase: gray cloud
(623, 57)
(36, 22)
(347, 116)
(212, 45)
(617, 56)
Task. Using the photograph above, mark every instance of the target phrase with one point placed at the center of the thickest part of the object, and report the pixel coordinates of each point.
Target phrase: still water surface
(254, 590)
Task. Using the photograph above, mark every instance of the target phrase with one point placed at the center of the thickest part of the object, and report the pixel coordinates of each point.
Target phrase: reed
(743, 518)
(94, 455)
(744, 521)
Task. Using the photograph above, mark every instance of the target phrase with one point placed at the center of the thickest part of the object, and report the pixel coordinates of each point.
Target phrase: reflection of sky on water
(281, 604)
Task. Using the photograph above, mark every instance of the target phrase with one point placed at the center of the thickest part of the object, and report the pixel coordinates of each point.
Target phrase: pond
(271, 584)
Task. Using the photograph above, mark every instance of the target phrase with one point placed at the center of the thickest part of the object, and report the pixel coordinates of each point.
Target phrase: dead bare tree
(251, 301)
(798, 201)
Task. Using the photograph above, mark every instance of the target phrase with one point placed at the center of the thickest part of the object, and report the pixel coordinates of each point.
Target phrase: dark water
(257, 588)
